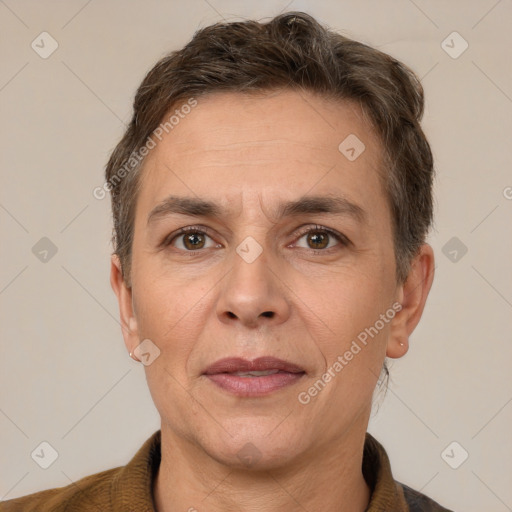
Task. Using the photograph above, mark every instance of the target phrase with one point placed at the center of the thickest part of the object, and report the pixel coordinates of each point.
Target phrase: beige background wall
(65, 376)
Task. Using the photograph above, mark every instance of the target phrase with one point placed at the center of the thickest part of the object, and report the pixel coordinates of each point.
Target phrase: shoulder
(92, 492)
(418, 502)
(122, 488)
(388, 493)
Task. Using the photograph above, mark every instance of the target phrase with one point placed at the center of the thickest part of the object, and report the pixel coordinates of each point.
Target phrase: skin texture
(295, 302)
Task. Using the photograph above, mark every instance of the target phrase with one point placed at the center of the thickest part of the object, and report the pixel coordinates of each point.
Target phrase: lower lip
(254, 386)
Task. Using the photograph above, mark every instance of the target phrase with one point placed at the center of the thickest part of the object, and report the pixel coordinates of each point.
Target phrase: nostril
(269, 314)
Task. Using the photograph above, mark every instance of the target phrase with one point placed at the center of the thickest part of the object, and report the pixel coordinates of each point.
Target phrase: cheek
(355, 352)
(352, 303)
(172, 316)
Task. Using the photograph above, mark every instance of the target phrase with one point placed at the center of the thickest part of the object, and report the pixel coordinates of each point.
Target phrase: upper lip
(238, 364)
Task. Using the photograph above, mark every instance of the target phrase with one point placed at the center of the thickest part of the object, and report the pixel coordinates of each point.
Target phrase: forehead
(253, 120)
(285, 143)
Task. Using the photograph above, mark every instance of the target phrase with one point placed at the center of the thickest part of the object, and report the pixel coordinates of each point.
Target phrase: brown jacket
(129, 488)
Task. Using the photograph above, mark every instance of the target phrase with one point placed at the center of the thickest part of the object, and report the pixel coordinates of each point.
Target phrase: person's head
(272, 138)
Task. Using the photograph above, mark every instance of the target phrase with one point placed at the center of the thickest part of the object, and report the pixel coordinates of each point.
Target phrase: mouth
(259, 377)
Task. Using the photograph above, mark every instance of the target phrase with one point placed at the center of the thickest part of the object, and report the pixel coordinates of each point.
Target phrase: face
(264, 274)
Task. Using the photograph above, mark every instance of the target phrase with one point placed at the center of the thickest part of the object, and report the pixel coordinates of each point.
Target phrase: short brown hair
(290, 51)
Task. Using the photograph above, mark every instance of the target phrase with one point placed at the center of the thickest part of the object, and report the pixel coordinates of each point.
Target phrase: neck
(329, 479)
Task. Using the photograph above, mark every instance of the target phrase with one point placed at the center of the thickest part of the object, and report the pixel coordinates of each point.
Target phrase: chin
(254, 457)
(258, 448)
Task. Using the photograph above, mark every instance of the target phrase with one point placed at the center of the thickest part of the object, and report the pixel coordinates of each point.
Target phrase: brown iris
(195, 239)
(317, 237)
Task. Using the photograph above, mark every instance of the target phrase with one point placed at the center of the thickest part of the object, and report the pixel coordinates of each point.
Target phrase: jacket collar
(132, 486)
(386, 493)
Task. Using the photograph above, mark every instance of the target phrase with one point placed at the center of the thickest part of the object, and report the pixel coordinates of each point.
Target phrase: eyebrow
(196, 207)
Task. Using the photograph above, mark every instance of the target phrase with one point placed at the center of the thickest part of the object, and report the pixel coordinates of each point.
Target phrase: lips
(262, 364)
(253, 378)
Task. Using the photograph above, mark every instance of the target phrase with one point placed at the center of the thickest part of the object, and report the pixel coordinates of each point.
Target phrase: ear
(412, 295)
(124, 298)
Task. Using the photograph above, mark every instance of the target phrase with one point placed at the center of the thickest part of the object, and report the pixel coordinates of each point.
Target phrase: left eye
(319, 238)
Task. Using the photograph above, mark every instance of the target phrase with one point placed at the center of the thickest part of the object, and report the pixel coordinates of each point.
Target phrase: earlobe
(412, 295)
(124, 298)
(132, 324)
(397, 347)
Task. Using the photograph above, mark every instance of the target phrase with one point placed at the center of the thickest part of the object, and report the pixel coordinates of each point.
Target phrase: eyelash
(344, 241)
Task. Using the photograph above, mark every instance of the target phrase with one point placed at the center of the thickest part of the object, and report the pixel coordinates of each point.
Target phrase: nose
(253, 294)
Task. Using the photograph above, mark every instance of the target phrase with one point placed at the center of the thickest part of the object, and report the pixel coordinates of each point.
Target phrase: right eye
(190, 239)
